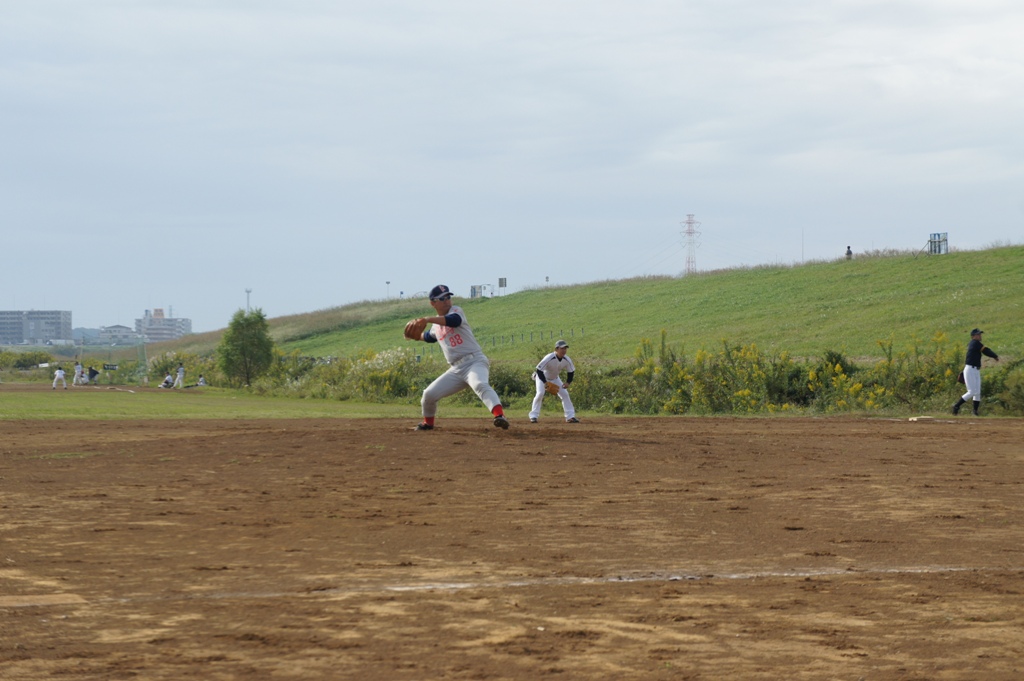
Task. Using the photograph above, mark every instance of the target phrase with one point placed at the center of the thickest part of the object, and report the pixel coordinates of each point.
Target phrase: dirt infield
(617, 548)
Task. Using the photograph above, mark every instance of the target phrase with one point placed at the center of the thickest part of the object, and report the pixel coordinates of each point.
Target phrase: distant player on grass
(468, 367)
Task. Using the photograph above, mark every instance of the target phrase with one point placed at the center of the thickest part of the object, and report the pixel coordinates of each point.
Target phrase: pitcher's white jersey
(551, 365)
(456, 341)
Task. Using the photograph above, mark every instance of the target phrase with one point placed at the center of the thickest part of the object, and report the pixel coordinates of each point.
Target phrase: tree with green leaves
(246, 350)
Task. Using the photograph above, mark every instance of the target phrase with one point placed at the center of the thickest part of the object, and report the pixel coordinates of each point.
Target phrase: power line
(665, 250)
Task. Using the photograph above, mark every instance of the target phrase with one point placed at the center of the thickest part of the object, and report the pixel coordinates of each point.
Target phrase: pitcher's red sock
(498, 411)
(429, 420)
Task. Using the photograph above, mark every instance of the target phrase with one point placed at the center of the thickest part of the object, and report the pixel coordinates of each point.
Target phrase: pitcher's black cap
(439, 292)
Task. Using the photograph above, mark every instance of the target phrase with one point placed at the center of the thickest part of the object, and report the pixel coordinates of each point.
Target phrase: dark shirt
(975, 349)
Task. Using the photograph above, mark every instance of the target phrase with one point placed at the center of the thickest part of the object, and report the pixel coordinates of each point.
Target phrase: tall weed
(660, 378)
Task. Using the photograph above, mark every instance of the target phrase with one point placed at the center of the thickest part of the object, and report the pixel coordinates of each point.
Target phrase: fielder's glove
(414, 329)
(551, 387)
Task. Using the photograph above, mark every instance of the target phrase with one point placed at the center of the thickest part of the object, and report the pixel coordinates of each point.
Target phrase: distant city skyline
(36, 327)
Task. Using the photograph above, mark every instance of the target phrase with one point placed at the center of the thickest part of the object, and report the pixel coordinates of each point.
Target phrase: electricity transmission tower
(692, 234)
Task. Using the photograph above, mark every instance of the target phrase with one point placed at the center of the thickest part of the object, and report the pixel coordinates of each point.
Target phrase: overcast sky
(173, 154)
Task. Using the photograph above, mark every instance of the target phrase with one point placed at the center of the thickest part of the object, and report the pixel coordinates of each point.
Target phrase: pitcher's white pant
(972, 379)
(474, 371)
(563, 395)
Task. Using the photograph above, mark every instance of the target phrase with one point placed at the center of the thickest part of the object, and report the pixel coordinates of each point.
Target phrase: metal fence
(533, 337)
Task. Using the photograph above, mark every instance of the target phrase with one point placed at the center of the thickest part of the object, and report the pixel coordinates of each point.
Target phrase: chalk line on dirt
(56, 599)
(668, 577)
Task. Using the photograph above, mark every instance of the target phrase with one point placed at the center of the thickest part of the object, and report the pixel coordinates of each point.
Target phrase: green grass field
(21, 402)
(846, 306)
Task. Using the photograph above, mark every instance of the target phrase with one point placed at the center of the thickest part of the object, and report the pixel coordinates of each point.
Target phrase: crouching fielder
(468, 367)
(547, 379)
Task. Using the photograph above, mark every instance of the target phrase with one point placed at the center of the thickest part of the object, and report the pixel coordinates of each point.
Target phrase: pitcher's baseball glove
(414, 329)
(551, 387)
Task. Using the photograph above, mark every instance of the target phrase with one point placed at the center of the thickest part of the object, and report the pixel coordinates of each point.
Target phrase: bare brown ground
(619, 548)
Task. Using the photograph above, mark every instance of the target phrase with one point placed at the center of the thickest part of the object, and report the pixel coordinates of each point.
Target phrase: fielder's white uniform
(468, 366)
(551, 366)
(179, 382)
(972, 381)
(58, 377)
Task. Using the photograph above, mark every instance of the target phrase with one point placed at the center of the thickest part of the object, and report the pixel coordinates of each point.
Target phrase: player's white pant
(972, 379)
(60, 380)
(77, 379)
(179, 382)
(563, 394)
(474, 371)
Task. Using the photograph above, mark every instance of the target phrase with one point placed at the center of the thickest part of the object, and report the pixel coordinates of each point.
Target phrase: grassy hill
(841, 305)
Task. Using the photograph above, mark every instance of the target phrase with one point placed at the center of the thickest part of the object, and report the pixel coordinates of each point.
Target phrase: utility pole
(247, 292)
(692, 234)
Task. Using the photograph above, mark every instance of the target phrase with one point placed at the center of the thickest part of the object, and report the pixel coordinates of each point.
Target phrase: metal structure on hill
(692, 234)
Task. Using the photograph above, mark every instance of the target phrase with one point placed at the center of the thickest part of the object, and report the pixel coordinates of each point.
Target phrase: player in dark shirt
(972, 371)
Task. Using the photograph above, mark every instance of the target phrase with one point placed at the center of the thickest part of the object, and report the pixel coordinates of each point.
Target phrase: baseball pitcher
(468, 367)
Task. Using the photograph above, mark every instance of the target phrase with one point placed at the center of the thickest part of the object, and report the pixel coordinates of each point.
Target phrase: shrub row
(659, 379)
(743, 379)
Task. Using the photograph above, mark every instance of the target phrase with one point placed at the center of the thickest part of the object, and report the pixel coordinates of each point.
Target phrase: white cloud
(293, 133)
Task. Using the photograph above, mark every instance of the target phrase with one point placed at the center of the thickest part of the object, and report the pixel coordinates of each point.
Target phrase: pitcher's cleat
(424, 426)
(572, 420)
(533, 420)
(501, 422)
